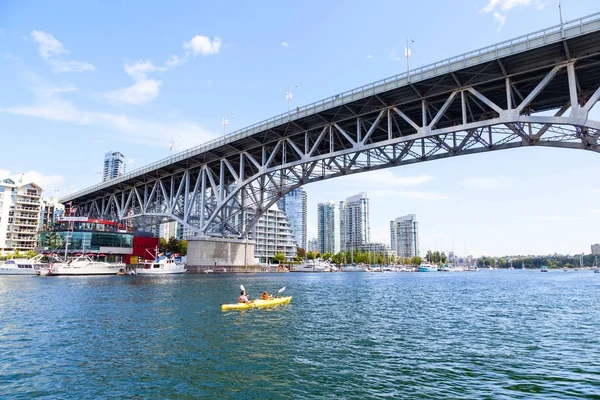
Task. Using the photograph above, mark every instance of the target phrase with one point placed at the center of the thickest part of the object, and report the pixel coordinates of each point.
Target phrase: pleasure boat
(354, 268)
(21, 266)
(427, 268)
(84, 265)
(160, 266)
(311, 266)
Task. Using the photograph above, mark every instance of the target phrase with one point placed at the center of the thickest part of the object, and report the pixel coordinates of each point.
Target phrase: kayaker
(265, 296)
(243, 297)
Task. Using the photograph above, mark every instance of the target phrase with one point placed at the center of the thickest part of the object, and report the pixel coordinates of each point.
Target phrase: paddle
(281, 290)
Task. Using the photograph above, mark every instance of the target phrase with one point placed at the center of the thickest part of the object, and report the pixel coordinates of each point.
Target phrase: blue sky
(79, 79)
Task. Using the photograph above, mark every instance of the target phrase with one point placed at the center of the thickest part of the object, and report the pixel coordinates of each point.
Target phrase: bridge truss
(504, 103)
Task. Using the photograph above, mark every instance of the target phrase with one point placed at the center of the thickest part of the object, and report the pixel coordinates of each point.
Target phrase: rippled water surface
(487, 334)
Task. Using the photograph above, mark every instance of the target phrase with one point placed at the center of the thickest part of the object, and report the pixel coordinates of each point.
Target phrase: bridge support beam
(219, 253)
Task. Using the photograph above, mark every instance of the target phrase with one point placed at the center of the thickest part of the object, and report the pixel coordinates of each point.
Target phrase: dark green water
(487, 334)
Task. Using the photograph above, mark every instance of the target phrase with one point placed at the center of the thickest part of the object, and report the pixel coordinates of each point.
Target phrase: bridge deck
(524, 59)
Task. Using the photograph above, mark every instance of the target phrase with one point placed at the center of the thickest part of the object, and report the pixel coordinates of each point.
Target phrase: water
(487, 334)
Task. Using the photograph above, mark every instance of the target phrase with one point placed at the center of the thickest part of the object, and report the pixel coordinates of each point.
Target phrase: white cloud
(50, 106)
(596, 210)
(44, 181)
(504, 5)
(549, 217)
(52, 50)
(497, 6)
(419, 195)
(369, 56)
(501, 19)
(284, 44)
(394, 56)
(203, 45)
(492, 182)
(174, 61)
(144, 89)
(386, 177)
(141, 92)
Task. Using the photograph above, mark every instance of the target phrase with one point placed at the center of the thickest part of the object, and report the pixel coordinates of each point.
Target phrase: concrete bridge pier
(219, 253)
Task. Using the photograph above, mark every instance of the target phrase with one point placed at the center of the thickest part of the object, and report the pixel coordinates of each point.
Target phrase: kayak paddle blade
(242, 288)
(281, 290)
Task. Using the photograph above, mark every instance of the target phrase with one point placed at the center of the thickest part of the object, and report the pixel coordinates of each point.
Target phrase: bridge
(535, 90)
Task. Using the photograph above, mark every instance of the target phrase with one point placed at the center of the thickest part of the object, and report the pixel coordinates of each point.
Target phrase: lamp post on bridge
(407, 54)
(225, 121)
(289, 96)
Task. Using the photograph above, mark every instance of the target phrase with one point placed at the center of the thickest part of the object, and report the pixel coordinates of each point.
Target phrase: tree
(300, 252)
(416, 260)
(172, 245)
(162, 245)
(279, 258)
(311, 255)
(183, 247)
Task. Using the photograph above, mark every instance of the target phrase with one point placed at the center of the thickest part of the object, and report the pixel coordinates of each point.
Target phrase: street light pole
(289, 96)
(225, 122)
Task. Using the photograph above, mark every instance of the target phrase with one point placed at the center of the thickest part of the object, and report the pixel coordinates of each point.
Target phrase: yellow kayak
(257, 303)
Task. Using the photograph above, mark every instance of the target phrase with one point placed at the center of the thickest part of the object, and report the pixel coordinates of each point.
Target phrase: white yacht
(84, 265)
(161, 266)
(311, 266)
(21, 266)
(354, 268)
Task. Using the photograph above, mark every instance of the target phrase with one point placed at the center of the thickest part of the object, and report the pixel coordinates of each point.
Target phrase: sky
(79, 79)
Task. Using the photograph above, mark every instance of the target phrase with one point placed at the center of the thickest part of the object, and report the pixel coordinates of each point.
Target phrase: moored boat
(84, 265)
(258, 303)
(160, 266)
(544, 269)
(21, 266)
(311, 266)
(427, 268)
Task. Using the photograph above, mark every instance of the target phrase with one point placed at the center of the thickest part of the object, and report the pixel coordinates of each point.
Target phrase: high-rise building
(50, 210)
(20, 206)
(273, 235)
(596, 249)
(356, 221)
(294, 205)
(313, 245)
(114, 165)
(404, 236)
(328, 228)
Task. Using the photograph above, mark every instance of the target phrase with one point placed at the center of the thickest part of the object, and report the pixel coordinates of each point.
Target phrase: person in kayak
(243, 297)
(265, 296)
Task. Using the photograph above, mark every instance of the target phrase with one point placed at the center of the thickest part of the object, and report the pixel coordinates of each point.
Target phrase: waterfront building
(328, 228)
(294, 205)
(114, 165)
(596, 249)
(313, 245)
(109, 240)
(404, 236)
(20, 206)
(171, 229)
(273, 235)
(376, 248)
(50, 210)
(355, 222)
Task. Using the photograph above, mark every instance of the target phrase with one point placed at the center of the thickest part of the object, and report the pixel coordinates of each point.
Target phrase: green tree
(416, 260)
(301, 253)
(311, 255)
(183, 247)
(162, 245)
(172, 245)
(279, 258)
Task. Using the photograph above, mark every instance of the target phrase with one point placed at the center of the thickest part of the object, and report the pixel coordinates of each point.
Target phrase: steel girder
(227, 195)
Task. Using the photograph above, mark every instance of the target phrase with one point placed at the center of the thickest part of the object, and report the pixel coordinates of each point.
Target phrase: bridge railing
(531, 40)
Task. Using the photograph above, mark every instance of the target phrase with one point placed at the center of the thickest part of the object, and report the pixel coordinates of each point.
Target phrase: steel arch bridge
(536, 90)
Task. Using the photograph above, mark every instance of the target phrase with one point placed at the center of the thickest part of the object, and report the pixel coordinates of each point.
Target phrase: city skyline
(147, 93)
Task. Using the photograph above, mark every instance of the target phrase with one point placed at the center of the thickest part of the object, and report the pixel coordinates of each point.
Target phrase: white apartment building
(328, 228)
(273, 235)
(20, 206)
(404, 236)
(294, 205)
(355, 221)
(114, 165)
